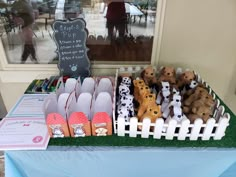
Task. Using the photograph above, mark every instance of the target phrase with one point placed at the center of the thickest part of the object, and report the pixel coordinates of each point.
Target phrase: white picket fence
(214, 128)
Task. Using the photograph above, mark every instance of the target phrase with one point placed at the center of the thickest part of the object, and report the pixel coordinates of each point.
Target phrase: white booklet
(20, 133)
(29, 105)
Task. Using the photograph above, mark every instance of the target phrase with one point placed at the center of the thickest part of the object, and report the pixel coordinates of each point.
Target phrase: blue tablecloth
(121, 162)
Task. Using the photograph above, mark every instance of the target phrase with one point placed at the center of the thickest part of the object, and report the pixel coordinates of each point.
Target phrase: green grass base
(228, 141)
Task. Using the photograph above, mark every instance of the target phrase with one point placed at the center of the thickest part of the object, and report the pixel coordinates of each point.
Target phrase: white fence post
(208, 129)
(120, 126)
(158, 128)
(184, 129)
(222, 125)
(217, 104)
(171, 129)
(133, 127)
(146, 128)
(196, 129)
(219, 113)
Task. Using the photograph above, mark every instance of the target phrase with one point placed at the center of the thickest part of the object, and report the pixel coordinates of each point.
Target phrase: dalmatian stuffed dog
(126, 107)
(126, 81)
(123, 92)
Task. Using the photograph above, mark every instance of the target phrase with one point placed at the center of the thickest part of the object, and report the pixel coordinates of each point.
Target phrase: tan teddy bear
(137, 84)
(143, 91)
(185, 78)
(149, 76)
(148, 100)
(167, 74)
(153, 112)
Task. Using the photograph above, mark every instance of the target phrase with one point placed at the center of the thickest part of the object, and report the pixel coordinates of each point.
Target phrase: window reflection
(129, 38)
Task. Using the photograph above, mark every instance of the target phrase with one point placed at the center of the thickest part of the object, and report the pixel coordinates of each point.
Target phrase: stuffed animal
(126, 81)
(171, 109)
(148, 100)
(149, 76)
(198, 93)
(176, 112)
(203, 100)
(165, 89)
(143, 91)
(153, 112)
(123, 90)
(167, 74)
(202, 112)
(137, 84)
(165, 99)
(123, 113)
(185, 78)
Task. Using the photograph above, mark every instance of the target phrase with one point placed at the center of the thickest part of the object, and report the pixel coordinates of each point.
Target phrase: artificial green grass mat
(228, 141)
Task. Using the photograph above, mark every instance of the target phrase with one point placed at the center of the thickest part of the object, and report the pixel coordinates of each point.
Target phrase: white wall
(200, 34)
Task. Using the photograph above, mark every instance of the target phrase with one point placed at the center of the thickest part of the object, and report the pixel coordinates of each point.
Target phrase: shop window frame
(161, 5)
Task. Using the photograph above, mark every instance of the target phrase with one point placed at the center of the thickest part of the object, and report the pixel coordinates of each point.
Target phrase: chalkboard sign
(70, 38)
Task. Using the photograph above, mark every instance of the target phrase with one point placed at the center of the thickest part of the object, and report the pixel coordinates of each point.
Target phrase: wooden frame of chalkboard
(70, 37)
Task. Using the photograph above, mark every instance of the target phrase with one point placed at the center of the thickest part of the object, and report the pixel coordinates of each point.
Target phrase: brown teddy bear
(153, 112)
(203, 100)
(202, 112)
(137, 84)
(149, 76)
(148, 100)
(143, 91)
(199, 92)
(167, 74)
(185, 78)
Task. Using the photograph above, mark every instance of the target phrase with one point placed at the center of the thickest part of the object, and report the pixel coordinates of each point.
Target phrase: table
(117, 157)
(121, 162)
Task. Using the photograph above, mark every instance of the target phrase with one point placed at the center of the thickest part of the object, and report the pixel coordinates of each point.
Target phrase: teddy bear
(202, 100)
(148, 100)
(143, 90)
(197, 93)
(167, 74)
(189, 89)
(202, 112)
(149, 76)
(153, 112)
(137, 84)
(185, 78)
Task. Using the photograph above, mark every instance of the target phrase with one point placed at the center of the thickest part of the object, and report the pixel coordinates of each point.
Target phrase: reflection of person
(116, 18)
(24, 10)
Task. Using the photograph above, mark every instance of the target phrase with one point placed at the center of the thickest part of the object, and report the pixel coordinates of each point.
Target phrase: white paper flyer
(23, 133)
